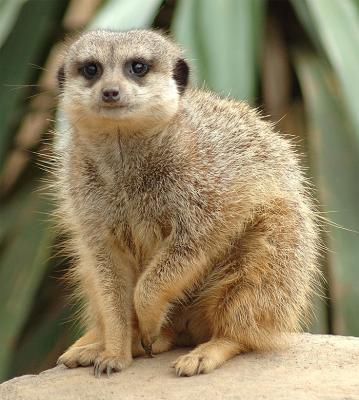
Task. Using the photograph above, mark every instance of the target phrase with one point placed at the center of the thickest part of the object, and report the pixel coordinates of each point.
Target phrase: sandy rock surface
(313, 367)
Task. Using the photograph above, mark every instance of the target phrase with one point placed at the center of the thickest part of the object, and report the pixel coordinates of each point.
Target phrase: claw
(149, 354)
(97, 370)
(108, 371)
(147, 348)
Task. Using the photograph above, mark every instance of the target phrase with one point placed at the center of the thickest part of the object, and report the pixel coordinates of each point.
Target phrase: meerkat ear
(61, 76)
(181, 74)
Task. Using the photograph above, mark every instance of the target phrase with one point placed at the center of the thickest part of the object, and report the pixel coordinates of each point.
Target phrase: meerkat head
(128, 79)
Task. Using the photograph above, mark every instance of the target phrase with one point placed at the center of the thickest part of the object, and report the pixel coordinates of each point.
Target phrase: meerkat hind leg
(206, 357)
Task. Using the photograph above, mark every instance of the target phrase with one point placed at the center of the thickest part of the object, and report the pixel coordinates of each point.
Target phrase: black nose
(110, 95)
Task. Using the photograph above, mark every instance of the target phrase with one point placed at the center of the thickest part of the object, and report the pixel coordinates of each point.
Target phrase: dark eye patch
(138, 67)
(91, 69)
(61, 77)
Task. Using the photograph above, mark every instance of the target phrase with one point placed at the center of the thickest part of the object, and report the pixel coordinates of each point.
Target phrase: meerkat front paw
(81, 355)
(150, 320)
(149, 331)
(108, 362)
(163, 343)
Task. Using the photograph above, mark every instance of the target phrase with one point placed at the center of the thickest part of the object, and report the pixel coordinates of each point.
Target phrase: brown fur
(189, 215)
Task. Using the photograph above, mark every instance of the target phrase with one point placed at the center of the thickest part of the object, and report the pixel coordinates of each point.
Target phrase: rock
(312, 367)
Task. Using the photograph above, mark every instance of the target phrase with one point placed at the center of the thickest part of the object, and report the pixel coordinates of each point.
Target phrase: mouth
(115, 106)
(114, 111)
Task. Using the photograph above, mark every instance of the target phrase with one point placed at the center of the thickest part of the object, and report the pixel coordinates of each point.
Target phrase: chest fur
(131, 198)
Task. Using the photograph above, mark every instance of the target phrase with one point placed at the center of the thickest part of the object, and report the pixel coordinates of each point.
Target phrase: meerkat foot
(206, 357)
(82, 356)
(108, 362)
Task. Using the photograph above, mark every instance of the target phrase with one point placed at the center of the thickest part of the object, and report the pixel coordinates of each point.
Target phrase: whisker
(37, 67)
(21, 86)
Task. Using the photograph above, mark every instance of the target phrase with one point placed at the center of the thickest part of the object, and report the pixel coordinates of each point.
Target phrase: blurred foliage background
(297, 60)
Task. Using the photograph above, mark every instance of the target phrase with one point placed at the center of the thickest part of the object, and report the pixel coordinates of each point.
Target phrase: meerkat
(190, 218)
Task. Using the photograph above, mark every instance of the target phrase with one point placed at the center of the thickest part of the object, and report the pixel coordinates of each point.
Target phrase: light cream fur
(189, 215)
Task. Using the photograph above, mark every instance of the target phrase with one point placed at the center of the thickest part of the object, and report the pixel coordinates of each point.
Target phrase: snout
(111, 95)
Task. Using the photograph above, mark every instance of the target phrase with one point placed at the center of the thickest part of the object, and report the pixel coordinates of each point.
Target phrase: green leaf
(23, 264)
(9, 10)
(337, 25)
(126, 14)
(305, 17)
(335, 161)
(24, 46)
(223, 38)
(9, 212)
(185, 31)
(44, 341)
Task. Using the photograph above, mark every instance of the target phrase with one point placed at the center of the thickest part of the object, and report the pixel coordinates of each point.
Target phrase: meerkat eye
(139, 68)
(89, 70)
